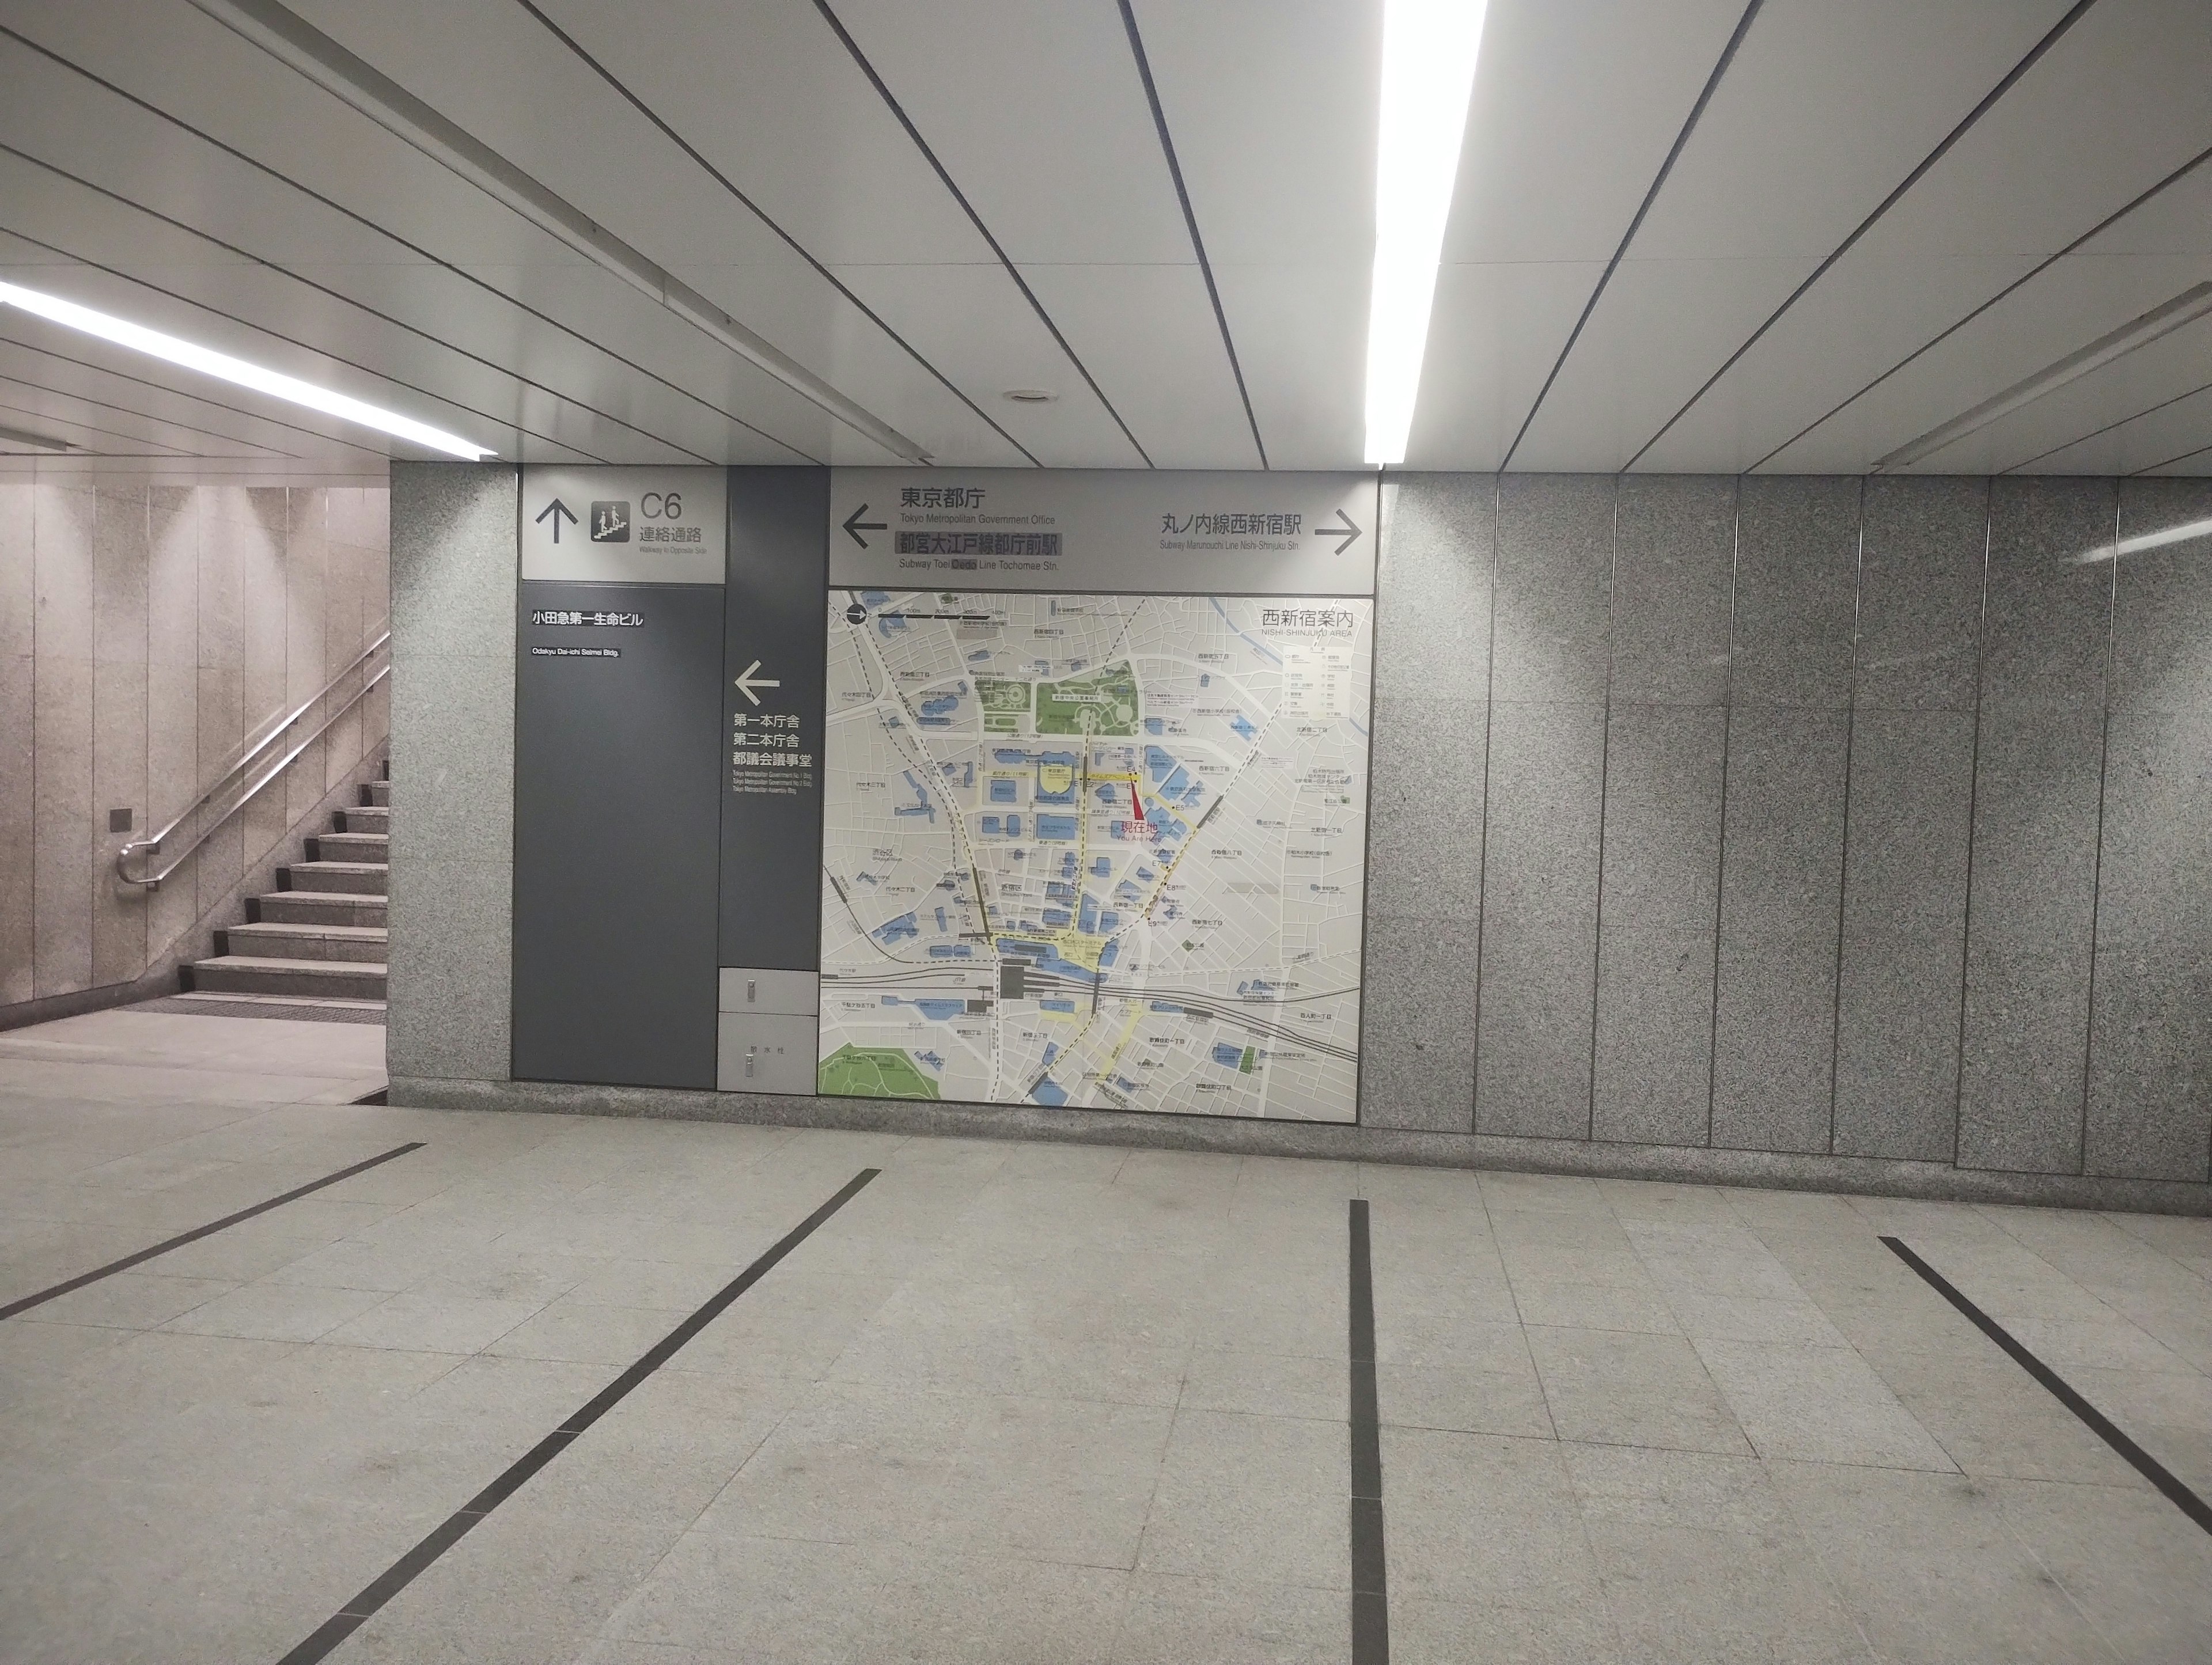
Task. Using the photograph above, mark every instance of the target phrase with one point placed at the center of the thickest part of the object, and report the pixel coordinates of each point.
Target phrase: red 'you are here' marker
(1135, 802)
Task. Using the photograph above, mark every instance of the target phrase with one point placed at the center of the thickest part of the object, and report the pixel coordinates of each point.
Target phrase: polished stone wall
(453, 577)
(1804, 817)
(146, 630)
(1781, 830)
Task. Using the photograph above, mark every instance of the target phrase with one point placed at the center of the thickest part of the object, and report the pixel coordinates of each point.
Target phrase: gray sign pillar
(617, 768)
(776, 654)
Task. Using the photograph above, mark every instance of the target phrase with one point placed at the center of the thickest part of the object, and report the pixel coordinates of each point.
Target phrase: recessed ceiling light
(21, 440)
(2185, 308)
(238, 372)
(1429, 53)
(1030, 395)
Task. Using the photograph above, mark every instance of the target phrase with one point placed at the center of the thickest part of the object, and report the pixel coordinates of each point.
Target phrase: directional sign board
(1158, 533)
(625, 525)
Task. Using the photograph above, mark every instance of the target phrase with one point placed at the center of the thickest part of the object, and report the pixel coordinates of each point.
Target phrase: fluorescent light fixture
(2183, 533)
(291, 40)
(1429, 53)
(2185, 308)
(21, 440)
(238, 372)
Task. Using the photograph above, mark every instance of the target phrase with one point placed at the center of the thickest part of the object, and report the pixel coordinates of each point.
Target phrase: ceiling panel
(2159, 437)
(36, 354)
(246, 99)
(908, 248)
(2169, 369)
(92, 425)
(2110, 112)
(1272, 105)
(1039, 113)
(426, 379)
(1783, 164)
(1148, 333)
(127, 151)
(1576, 105)
(963, 309)
(2154, 254)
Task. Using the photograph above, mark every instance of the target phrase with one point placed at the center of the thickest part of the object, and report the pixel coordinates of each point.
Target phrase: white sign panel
(625, 525)
(1153, 532)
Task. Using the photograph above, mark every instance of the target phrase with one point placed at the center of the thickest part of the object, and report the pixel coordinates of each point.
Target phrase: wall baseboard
(1859, 1175)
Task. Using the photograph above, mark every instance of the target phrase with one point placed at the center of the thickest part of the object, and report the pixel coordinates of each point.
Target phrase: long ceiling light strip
(1429, 48)
(192, 357)
(2185, 308)
(294, 41)
(16, 440)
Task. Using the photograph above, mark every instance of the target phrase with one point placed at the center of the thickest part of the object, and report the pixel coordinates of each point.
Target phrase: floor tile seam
(1520, 1317)
(2115, 1655)
(1823, 1561)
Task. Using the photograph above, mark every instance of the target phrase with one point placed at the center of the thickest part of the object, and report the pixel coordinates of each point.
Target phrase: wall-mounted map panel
(1097, 848)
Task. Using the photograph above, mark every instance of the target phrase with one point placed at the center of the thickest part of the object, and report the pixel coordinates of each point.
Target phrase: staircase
(318, 940)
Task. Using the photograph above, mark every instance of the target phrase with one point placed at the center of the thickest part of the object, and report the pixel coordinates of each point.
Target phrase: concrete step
(253, 974)
(282, 941)
(374, 847)
(314, 908)
(378, 793)
(366, 818)
(363, 878)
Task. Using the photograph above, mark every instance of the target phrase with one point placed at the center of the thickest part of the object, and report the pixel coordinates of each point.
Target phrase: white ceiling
(1853, 223)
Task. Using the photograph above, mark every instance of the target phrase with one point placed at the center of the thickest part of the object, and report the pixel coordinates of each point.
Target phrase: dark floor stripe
(1371, 1608)
(199, 1231)
(2145, 1464)
(417, 1560)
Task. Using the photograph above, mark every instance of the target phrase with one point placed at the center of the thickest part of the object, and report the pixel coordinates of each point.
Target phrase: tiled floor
(1028, 1403)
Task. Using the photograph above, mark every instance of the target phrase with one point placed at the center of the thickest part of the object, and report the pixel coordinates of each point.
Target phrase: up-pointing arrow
(747, 682)
(1349, 532)
(854, 525)
(557, 509)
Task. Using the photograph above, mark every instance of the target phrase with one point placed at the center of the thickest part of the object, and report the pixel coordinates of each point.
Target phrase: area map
(1098, 851)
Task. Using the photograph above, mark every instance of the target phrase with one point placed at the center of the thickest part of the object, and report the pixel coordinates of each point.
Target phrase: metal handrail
(231, 770)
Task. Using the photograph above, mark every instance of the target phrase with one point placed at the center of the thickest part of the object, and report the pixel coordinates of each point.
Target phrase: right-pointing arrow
(1349, 532)
(854, 525)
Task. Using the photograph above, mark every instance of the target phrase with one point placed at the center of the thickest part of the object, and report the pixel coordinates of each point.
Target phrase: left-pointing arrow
(559, 511)
(747, 682)
(855, 525)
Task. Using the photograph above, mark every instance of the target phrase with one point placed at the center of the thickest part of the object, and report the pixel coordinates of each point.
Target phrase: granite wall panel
(1540, 920)
(2039, 782)
(2149, 1109)
(1920, 593)
(1552, 637)
(1905, 933)
(1433, 594)
(454, 596)
(1795, 593)
(1915, 688)
(62, 729)
(1781, 904)
(18, 765)
(1660, 886)
(1672, 565)
(1416, 1024)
